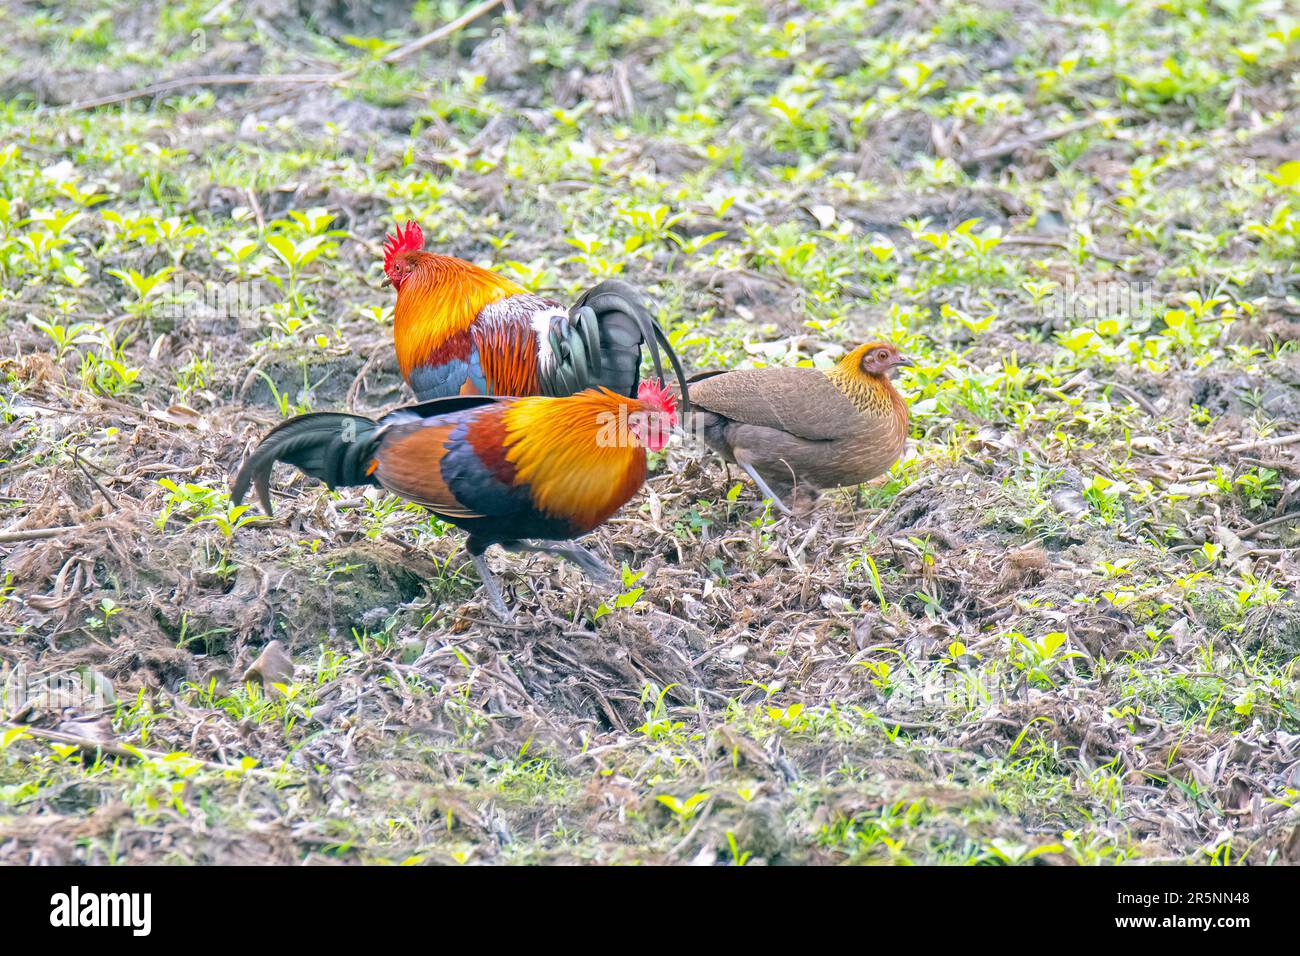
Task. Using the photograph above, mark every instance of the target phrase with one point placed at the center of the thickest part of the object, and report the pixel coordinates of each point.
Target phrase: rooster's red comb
(409, 238)
(656, 395)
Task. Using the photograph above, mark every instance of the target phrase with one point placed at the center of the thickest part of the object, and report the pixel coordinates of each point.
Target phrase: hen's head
(875, 359)
(655, 422)
(400, 252)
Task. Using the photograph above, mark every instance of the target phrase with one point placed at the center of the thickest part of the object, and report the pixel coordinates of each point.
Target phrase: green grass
(1057, 630)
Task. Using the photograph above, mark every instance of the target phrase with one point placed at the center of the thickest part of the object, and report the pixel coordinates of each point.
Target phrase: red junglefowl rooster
(462, 330)
(802, 426)
(503, 469)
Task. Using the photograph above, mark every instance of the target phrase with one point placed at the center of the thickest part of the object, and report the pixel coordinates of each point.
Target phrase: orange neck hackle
(438, 297)
(580, 455)
(863, 376)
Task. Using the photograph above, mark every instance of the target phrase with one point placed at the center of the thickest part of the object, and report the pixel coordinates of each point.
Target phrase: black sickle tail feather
(601, 344)
(333, 447)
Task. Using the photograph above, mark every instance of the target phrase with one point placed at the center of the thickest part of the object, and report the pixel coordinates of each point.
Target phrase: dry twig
(35, 534)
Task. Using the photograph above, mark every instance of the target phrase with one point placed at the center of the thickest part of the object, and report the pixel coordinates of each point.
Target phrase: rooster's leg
(762, 486)
(588, 563)
(495, 600)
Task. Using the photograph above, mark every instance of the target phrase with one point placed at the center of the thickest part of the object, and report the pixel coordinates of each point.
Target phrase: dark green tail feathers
(607, 327)
(333, 447)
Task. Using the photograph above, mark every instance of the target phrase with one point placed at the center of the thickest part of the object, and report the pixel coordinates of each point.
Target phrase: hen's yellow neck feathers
(872, 394)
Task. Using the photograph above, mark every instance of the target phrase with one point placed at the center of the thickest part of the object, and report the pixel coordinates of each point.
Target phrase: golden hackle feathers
(438, 301)
(579, 455)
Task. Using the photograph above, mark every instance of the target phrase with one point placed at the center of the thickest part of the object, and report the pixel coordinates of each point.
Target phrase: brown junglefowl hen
(804, 427)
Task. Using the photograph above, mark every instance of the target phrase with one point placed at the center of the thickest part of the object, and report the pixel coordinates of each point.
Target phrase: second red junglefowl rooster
(504, 469)
(463, 330)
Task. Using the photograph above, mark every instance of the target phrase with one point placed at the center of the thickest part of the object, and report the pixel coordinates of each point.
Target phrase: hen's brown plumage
(789, 427)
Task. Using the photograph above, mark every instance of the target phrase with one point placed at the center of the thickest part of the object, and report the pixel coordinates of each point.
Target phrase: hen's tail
(599, 343)
(336, 448)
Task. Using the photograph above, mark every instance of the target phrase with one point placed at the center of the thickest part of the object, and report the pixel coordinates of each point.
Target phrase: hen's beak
(903, 360)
